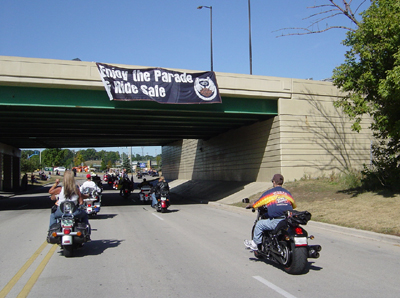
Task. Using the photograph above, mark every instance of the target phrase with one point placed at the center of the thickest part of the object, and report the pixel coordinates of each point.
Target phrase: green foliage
(103, 166)
(78, 159)
(67, 158)
(126, 164)
(370, 77)
(384, 171)
(54, 157)
(159, 161)
(351, 179)
(29, 165)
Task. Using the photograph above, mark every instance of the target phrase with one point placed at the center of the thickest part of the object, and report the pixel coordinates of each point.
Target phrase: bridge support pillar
(10, 169)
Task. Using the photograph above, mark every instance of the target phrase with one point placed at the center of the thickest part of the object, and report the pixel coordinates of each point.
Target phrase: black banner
(158, 84)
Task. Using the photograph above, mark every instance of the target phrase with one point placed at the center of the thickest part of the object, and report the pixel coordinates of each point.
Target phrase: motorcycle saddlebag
(80, 227)
(299, 217)
(56, 227)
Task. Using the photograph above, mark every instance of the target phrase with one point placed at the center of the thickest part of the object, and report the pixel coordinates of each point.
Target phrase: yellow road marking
(18, 275)
(31, 282)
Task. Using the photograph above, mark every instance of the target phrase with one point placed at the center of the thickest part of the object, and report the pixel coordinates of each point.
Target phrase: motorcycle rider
(161, 185)
(278, 200)
(89, 184)
(125, 183)
(144, 182)
(69, 191)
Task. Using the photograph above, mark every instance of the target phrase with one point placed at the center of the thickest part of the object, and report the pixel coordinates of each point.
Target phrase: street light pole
(250, 51)
(211, 41)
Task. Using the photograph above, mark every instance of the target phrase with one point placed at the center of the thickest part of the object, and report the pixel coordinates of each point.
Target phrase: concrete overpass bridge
(261, 126)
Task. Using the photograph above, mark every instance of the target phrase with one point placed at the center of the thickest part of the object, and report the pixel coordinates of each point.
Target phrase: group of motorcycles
(71, 233)
(126, 187)
(286, 245)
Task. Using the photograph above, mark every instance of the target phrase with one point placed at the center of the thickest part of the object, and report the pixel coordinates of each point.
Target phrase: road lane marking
(158, 216)
(18, 275)
(274, 287)
(31, 282)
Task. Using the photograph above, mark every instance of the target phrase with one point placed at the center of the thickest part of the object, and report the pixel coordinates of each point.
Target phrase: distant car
(60, 169)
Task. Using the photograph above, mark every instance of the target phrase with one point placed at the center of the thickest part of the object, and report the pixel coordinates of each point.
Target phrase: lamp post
(250, 51)
(211, 39)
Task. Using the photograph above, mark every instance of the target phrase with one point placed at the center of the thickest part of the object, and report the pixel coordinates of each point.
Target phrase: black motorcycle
(287, 244)
(126, 188)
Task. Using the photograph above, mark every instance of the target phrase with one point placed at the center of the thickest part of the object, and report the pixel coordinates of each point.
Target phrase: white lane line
(157, 216)
(274, 287)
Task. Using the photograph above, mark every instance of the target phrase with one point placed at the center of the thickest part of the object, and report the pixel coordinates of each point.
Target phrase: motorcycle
(93, 202)
(163, 202)
(115, 184)
(70, 233)
(145, 193)
(126, 188)
(111, 180)
(287, 244)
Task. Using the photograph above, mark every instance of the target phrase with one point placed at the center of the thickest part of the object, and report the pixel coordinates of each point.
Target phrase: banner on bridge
(160, 85)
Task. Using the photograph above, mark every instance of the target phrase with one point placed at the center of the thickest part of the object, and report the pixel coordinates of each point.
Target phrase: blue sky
(174, 34)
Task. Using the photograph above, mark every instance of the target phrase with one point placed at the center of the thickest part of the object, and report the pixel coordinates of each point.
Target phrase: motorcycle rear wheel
(294, 259)
(68, 251)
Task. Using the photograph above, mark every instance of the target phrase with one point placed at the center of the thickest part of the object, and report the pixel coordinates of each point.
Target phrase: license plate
(67, 222)
(300, 241)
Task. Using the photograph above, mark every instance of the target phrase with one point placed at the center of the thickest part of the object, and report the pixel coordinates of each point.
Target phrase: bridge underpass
(32, 117)
(265, 125)
(63, 104)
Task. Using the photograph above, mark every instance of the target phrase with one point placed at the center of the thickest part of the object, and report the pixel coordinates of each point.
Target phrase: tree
(370, 78)
(29, 164)
(78, 159)
(89, 154)
(53, 157)
(126, 163)
(327, 12)
(159, 161)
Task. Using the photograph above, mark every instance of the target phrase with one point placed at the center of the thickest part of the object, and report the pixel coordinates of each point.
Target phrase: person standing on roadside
(24, 181)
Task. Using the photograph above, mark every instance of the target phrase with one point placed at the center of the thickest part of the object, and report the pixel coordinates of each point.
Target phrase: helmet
(88, 176)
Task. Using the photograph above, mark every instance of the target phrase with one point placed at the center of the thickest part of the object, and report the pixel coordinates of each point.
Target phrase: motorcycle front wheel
(294, 258)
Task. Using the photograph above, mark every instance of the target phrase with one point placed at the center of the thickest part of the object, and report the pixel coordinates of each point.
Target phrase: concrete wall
(10, 173)
(310, 137)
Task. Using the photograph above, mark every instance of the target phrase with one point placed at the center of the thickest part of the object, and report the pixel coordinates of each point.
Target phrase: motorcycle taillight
(298, 230)
(67, 231)
(89, 205)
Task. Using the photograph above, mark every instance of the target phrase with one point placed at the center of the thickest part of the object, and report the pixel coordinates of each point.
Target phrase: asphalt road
(194, 250)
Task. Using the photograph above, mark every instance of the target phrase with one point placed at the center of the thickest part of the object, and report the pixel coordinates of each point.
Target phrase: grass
(331, 201)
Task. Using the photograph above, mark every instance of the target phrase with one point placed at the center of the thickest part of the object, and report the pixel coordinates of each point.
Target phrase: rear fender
(66, 240)
(298, 236)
